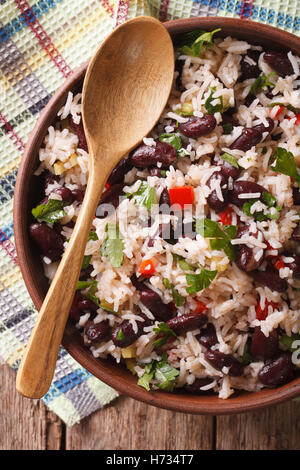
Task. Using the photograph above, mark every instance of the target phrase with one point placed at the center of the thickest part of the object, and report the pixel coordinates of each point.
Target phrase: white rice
(232, 298)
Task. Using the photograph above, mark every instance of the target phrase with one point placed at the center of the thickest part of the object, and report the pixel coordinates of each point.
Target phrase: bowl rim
(195, 404)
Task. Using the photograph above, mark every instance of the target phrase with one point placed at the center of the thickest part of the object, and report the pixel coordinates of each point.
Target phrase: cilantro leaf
(202, 42)
(288, 341)
(261, 82)
(112, 247)
(163, 374)
(175, 141)
(183, 264)
(50, 212)
(164, 330)
(178, 299)
(210, 108)
(93, 235)
(82, 285)
(220, 237)
(86, 261)
(198, 282)
(227, 128)
(230, 159)
(284, 162)
(144, 196)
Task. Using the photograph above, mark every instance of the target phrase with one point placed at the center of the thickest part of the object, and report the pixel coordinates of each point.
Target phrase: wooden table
(28, 425)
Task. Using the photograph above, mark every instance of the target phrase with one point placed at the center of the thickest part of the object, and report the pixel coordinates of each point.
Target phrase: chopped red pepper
(280, 109)
(297, 116)
(107, 185)
(147, 268)
(200, 307)
(226, 216)
(261, 314)
(182, 195)
(278, 264)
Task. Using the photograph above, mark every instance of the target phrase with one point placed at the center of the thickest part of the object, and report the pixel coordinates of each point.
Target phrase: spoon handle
(38, 363)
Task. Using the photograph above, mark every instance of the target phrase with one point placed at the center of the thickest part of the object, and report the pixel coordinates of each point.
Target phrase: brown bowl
(31, 267)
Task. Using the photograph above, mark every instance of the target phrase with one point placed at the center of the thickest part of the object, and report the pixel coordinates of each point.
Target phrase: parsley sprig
(50, 212)
(178, 299)
(199, 281)
(164, 332)
(112, 247)
(195, 47)
(284, 162)
(161, 372)
(220, 236)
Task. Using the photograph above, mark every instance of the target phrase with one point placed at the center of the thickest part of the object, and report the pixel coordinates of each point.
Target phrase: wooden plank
(274, 428)
(25, 424)
(132, 425)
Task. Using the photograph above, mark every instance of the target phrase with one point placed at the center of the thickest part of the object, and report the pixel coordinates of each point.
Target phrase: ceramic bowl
(26, 196)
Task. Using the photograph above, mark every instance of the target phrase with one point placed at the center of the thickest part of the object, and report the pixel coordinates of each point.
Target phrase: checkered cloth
(41, 43)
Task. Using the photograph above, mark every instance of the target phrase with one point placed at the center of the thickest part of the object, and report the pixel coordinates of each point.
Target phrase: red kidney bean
(178, 68)
(270, 278)
(262, 128)
(78, 195)
(96, 332)
(242, 187)
(65, 194)
(79, 131)
(138, 283)
(277, 371)
(198, 384)
(227, 169)
(296, 196)
(188, 322)
(145, 155)
(264, 347)
(49, 178)
(247, 139)
(87, 305)
(249, 70)
(120, 170)
(293, 265)
(251, 136)
(50, 243)
(246, 260)
(123, 335)
(75, 312)
(219, 360)
(280, 62)
(198, 127)
(153, 302)
(213, 201)
(165, 198)
(246, 256)
(296, 234)
(208, 336)
(111, 196)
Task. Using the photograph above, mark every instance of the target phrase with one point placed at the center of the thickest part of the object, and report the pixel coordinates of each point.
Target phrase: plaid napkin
(41, 43)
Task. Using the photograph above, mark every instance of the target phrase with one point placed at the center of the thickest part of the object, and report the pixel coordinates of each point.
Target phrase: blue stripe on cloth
(268, 15)
(66, 383)
(18, 23)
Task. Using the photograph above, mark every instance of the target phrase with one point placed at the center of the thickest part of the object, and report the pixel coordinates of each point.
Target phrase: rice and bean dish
(191, 273)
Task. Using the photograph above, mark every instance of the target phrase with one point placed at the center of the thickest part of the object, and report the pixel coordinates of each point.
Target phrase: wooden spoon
(126, 88)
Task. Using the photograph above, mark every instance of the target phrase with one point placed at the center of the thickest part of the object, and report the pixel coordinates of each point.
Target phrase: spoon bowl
(126, 88)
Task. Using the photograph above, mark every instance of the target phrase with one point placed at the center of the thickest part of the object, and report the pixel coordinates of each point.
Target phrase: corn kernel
(130, 364)
(219, 265)
(187, 107)
(73, 159)
(129, 352)
(59, 168)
